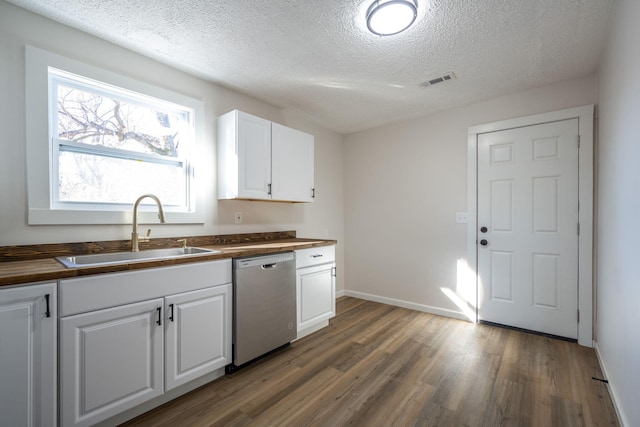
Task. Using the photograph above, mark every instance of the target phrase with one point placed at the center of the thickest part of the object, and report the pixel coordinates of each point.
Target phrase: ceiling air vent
(440, 79)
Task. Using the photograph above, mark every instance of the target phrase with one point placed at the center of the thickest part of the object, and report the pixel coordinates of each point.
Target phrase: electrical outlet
(462, 217)
(238, 217)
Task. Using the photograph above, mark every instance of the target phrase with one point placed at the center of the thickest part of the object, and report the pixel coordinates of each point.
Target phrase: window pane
(92, 118)
(90, 178)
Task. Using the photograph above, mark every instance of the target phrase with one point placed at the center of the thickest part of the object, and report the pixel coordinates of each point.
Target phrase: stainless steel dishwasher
(264, 314)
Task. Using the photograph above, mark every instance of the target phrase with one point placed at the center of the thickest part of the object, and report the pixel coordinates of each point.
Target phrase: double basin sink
(113, 258)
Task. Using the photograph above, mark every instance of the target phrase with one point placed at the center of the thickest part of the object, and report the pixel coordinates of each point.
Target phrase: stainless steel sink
(126, 257)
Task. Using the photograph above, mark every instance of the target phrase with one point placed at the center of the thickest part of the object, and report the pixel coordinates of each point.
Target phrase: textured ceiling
(316, 56)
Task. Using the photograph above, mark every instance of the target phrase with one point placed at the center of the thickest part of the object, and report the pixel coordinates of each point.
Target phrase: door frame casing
(585, 116)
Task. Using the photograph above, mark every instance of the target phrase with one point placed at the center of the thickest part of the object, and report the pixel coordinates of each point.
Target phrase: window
(110, 145)
(108, 140)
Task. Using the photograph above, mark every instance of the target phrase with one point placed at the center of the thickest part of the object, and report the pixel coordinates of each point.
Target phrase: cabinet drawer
(315, 256)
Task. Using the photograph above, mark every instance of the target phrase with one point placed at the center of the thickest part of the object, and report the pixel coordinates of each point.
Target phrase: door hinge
(578, 316)
(578, 141)
(578, 229)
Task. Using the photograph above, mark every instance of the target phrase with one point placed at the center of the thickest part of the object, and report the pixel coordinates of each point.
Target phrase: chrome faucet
(135, 238)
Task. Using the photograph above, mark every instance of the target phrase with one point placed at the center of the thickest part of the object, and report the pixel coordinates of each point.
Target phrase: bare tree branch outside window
(93, 119)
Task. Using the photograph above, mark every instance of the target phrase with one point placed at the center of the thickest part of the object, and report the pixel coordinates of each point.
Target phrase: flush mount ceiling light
(386, 18)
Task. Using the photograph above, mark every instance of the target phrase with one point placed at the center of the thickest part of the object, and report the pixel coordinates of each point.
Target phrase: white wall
(618, 269)
(321, 219)
(405, 182)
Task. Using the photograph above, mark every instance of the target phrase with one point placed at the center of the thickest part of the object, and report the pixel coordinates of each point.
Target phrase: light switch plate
(238, 217)
(462, 217)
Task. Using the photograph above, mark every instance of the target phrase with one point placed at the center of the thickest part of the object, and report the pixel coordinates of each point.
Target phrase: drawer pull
(48, 312)
(317, 256)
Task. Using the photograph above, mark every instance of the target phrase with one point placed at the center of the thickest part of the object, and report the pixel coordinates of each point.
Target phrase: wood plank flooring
(378, 365)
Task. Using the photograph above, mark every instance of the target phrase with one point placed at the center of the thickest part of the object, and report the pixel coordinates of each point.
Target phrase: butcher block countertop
(36, 263)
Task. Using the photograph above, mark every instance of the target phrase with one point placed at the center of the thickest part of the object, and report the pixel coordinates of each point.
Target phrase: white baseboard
(406, 304)
(612, 391)
(340, 293)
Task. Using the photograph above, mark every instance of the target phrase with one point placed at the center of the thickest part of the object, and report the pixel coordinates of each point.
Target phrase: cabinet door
(316, 295)
(198, 333)
(110, 360)
(27, 356)
(254, 157)
(292, 164)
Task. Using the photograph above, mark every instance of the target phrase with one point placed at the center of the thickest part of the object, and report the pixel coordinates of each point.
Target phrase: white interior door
(528, 227)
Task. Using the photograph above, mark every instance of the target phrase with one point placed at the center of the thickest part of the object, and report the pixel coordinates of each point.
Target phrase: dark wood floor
(377, 365)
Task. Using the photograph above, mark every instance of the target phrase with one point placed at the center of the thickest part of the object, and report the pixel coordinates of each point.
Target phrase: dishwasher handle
(264, 262)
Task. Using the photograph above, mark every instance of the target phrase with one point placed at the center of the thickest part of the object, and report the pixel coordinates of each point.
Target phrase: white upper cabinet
(254, 156)
(261, 160)
(291, 164)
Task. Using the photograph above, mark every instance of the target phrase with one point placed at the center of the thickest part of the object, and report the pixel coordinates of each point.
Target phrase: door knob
(483, 242)
(483, 229)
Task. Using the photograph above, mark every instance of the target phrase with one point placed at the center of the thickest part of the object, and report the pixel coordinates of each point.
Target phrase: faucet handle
(184, 243)
(145, 238)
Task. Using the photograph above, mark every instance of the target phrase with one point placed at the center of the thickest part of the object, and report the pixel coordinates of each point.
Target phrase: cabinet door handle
(269, 191)
(159, 321)
(171, 312)
(313, 193)
(333, 271)
(48, 312)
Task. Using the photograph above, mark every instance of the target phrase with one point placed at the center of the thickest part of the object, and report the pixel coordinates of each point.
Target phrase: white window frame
(42, 147)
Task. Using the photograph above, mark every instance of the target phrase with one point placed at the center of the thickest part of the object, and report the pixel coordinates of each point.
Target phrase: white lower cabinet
(116, 355)
(110, 360)
(316, 288)
(197, 341)
(28, 355)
